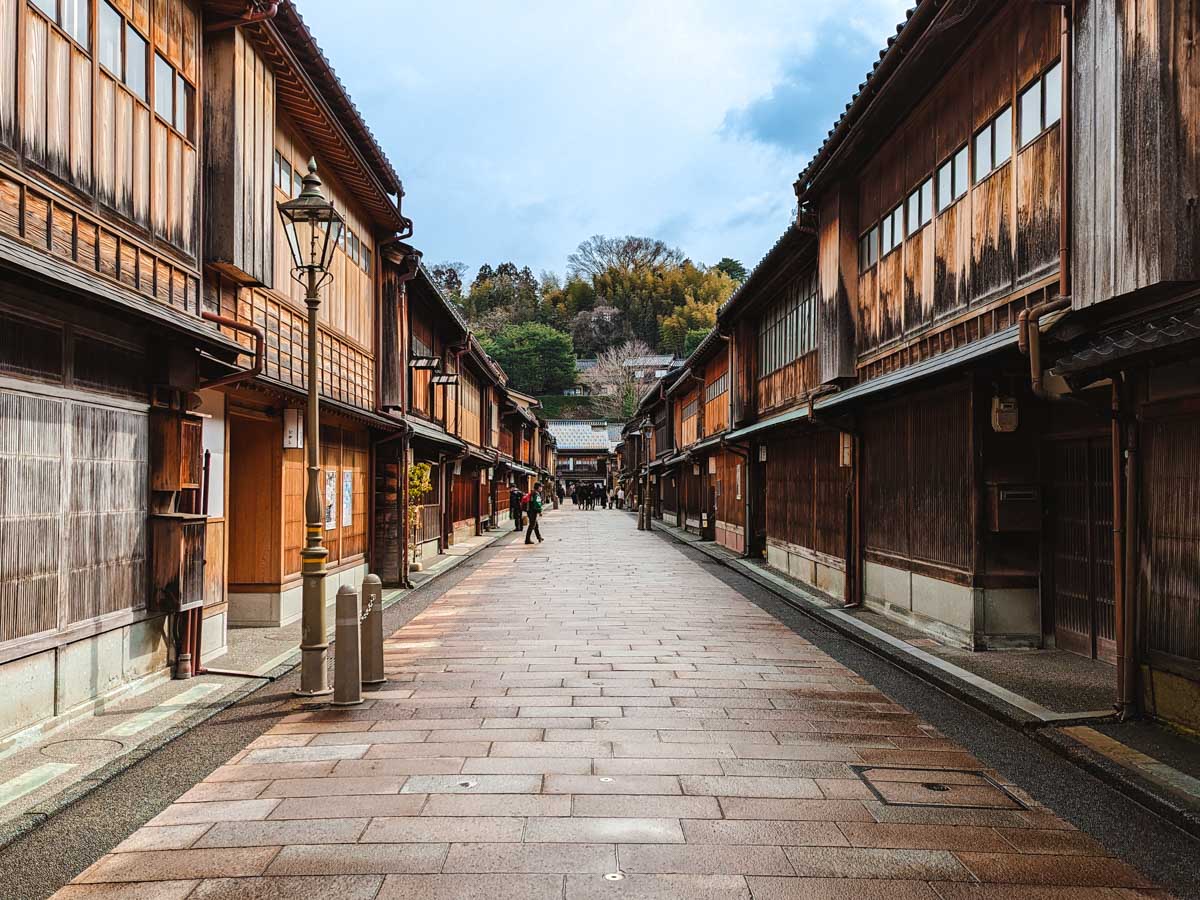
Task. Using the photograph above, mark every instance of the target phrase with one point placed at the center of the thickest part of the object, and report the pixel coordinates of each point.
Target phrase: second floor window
(69, 15)
(716, 388)
(1041, 104)
(121, 50)
(173, 97)
(788, 328)
(868, 249)
(952, 179)
(993, 144)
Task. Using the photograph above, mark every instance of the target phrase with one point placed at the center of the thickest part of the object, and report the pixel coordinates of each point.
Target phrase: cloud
(521, 128)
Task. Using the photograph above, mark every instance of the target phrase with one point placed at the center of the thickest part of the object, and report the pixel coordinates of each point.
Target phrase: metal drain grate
(943, 788)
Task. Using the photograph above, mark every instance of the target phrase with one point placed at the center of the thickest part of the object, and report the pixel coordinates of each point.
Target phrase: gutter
(259, 351)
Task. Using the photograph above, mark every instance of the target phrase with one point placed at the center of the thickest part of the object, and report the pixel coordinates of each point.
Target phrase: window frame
(991, 129)
(175, 79)
(56, 20)
(951, 163)
(1039, 85)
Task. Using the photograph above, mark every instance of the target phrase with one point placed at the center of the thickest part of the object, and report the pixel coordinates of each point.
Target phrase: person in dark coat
(514, 507)
(533, 506)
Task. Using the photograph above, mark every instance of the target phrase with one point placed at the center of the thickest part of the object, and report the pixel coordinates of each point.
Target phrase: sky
(522, 127)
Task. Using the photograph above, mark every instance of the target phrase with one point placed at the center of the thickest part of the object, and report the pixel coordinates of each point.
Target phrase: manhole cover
(82, 750)
(960, 788)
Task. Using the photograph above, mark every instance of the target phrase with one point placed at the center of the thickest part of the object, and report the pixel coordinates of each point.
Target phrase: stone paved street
(600, 716)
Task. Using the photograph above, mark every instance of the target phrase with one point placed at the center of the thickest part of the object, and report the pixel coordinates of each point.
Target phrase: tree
(449, 277)
(516, 291)
(692, 316)
(614, 389)
(732, 268)
(595, 330)
(695, 337)
(626, 254)
(538, 359)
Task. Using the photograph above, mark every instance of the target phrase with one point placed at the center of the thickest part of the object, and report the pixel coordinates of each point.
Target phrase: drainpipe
(259, 351)
(1029, 338)
(1028, 335)
(255, 12)
(1128, 686)
(1118, 502)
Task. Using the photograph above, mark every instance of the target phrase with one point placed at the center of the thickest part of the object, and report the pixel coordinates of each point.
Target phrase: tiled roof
(639, 362)
(580, 434)
(864, 93)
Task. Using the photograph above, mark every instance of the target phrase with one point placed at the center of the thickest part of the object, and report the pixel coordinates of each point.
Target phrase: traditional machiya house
(966, 377)
(656, 467)
(796, 478)
(433, 330)
(470, 473)
(110, 450)
(1121, 472)
(585, 451)
(705, 476)
(272, 104)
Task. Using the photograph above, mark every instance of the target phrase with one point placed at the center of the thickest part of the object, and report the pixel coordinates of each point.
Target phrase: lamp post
(644, 511)
(313, 229)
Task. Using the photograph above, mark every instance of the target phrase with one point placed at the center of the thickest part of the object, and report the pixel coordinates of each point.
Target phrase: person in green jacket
(533, 508)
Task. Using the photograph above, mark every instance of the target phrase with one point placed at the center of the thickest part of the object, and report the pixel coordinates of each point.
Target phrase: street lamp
(313, 228)
(644, 511)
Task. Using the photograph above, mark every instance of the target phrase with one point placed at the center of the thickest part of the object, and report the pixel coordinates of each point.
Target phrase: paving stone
(217, 811)
(658, 887)
(771, 833)
(474, 784)
(531, 858)
(358, 859)
(333, 787)
(611, 784)
(603, 830)
(472, 887)
(856, 862)
(499, 765)
(279, 833)
(172, 865)
(153, 890)
(704, 860)
(839, 889)
(497, 805)
(349, 807)
(444, 829)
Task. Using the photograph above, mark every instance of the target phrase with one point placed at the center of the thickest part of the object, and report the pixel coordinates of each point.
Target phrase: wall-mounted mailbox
(1014, 507)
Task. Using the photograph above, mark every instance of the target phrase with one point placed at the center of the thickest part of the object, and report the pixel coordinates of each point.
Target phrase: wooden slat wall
(729, 485)
(138, 168)
(806, 492)
(1169, 581)
(8, 71)
(348, 301)
(256, 499)
(918, 479)
(716, 409)
(468, 394)
(1002, 235)
(1137, 164)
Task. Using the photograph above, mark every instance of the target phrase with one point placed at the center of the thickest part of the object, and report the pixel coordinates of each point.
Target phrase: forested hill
(626, 292)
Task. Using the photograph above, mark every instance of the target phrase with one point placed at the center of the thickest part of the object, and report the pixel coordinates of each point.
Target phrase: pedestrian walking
(574, 494)
(620, 498)
(603, 492)
(562, 492)
(533, 507)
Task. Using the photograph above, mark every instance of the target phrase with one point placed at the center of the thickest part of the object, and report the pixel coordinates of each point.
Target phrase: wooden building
(585, 452)
(273, 104)
(965, 379)
(102, 344)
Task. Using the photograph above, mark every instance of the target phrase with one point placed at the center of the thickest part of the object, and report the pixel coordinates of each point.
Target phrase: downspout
(259, 351)
(1118, 524)
(1028, 333)
(1128, 685)
(260, 13)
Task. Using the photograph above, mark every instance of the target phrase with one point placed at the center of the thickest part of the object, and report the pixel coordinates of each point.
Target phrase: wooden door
(1080, 569)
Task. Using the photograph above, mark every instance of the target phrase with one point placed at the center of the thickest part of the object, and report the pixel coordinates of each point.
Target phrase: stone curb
(1047, 734)
(19, 826)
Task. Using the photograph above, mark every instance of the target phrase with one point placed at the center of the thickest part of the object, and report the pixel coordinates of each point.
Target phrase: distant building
(643, 369)
(586, 449)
